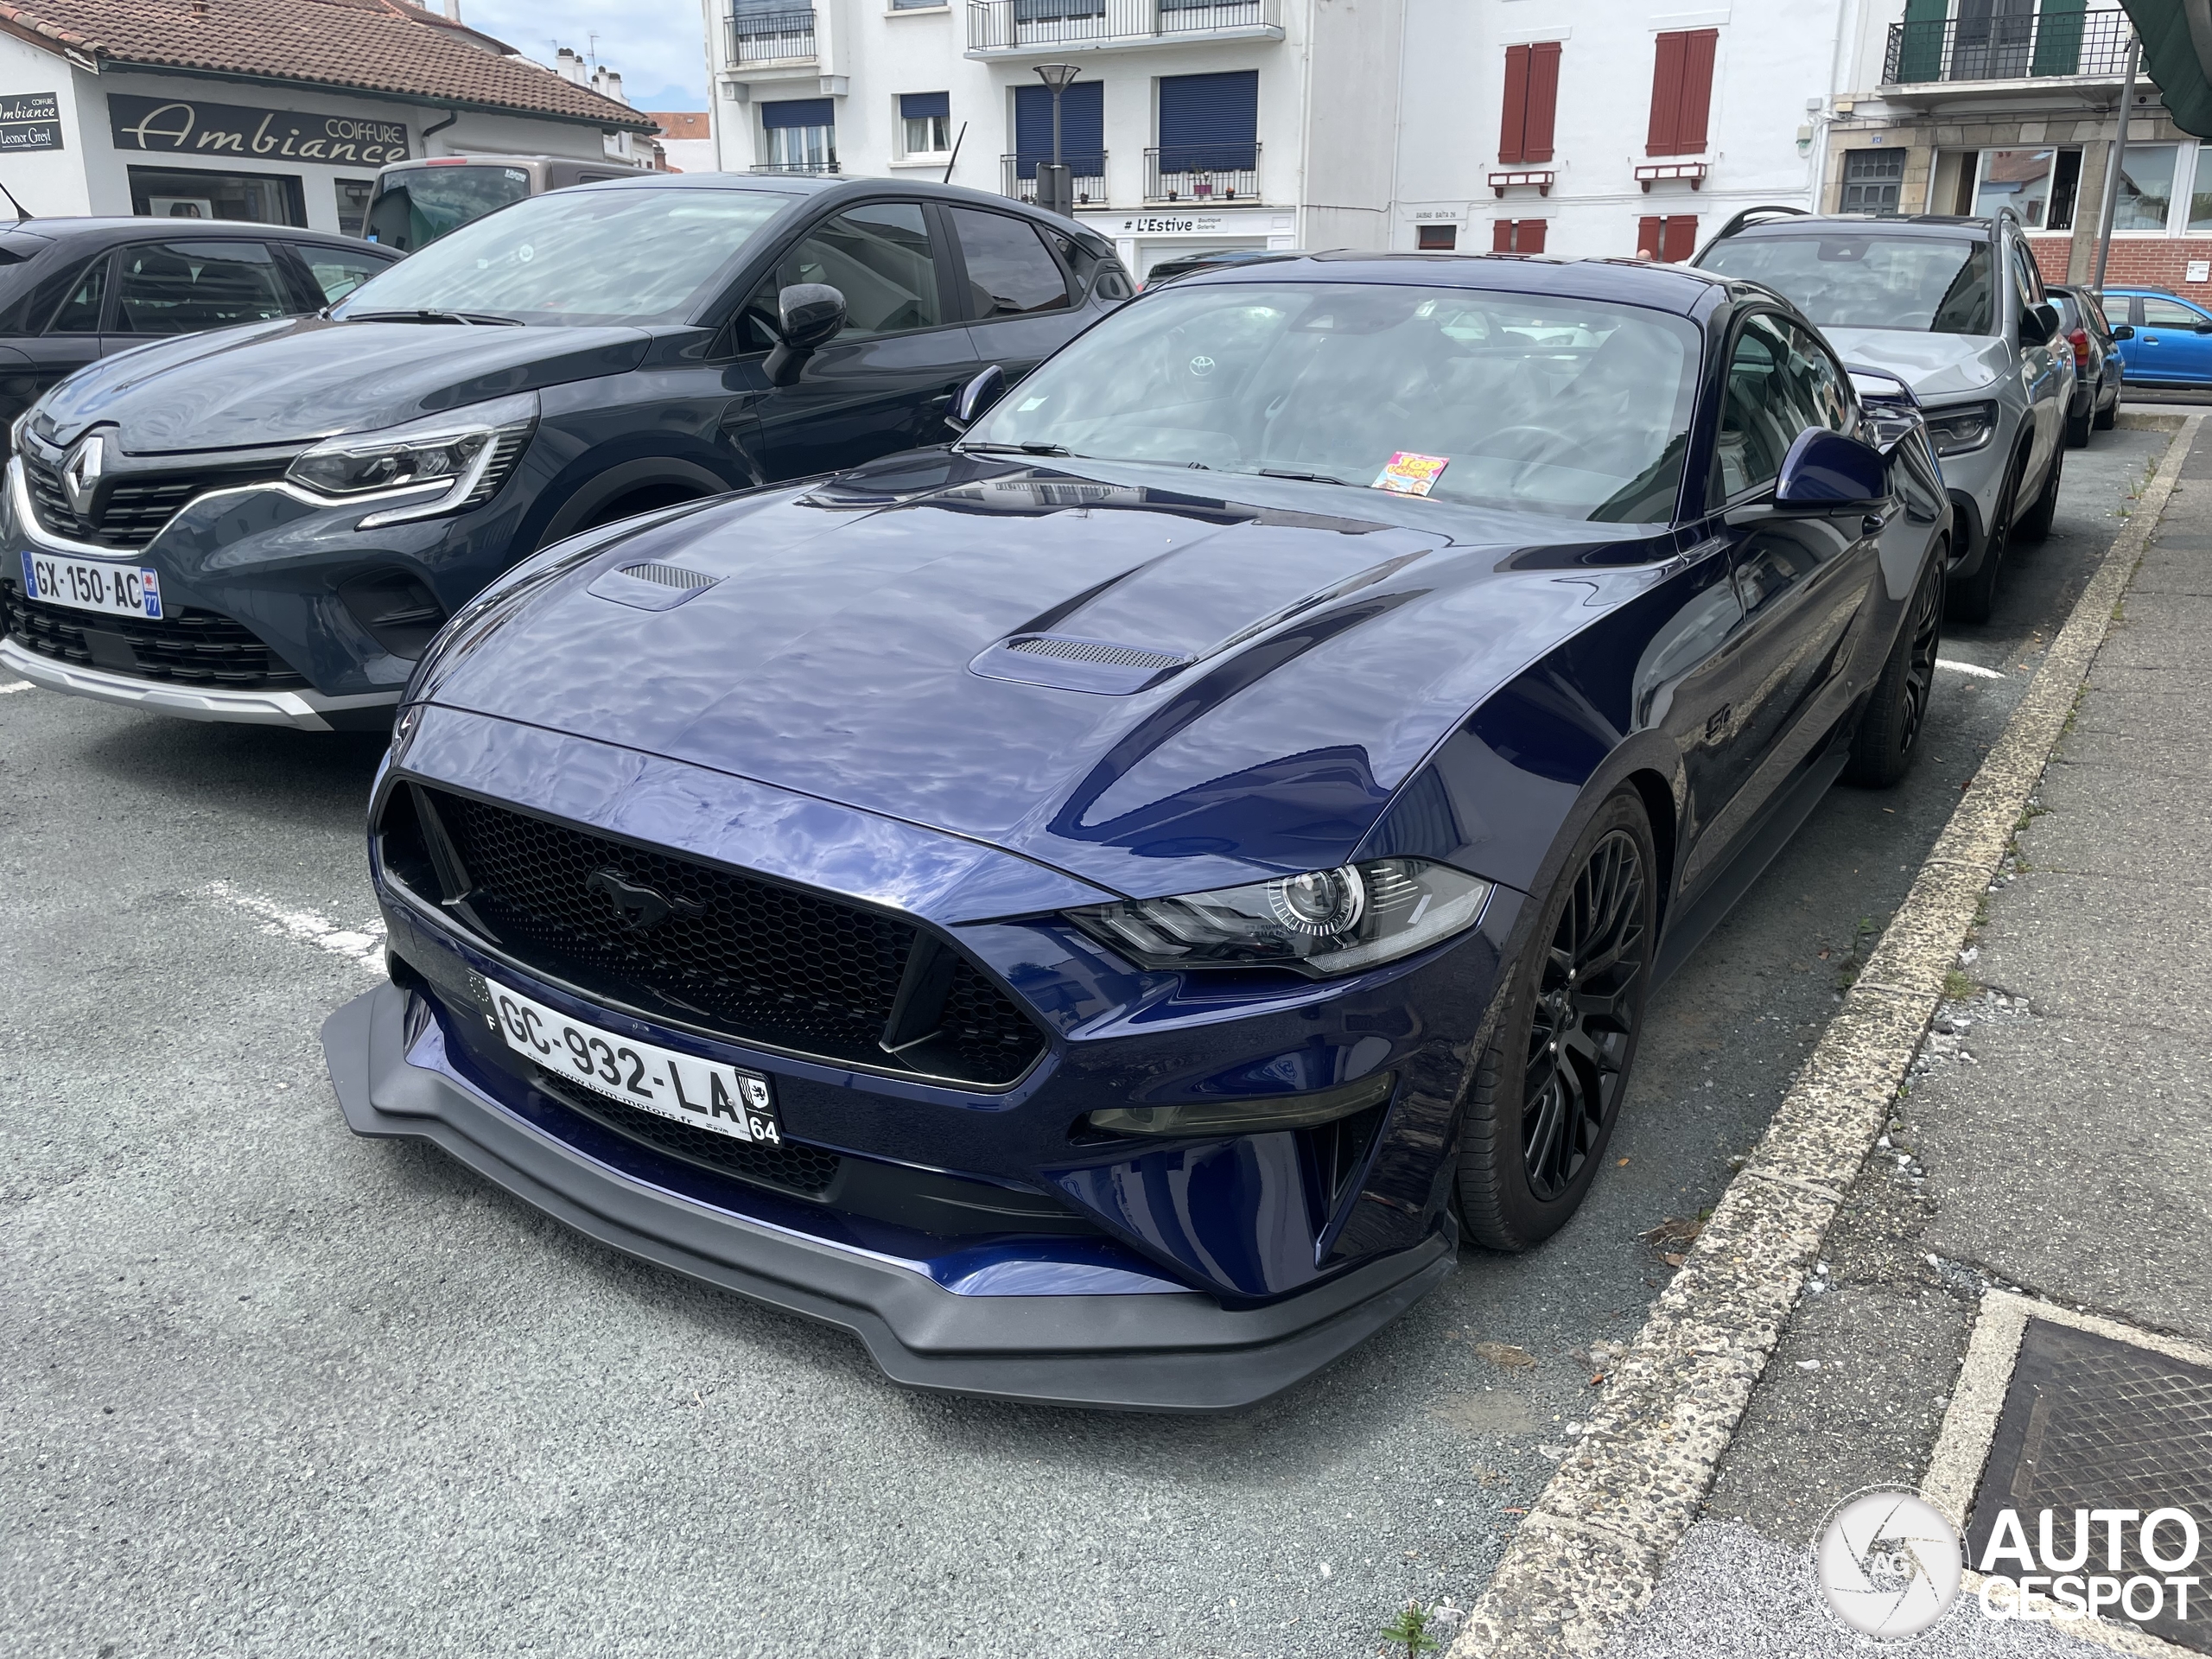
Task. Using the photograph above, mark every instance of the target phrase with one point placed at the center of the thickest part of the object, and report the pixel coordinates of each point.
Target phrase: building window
(1436, 239)
(1082, 133)
(925, 123)
(2039, 185)
(353, 205)
(1518, 235)
(1209, 124)
(1682, 91)
(1668, 237)
(1531, 103)
(181, 193)
(2200, 191)
(802, 135)
(2146, 188)
(1872, 180)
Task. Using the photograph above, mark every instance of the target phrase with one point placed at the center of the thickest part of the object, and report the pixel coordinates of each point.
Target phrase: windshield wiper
(1302, 478)
(1030, 448)
(425, 316)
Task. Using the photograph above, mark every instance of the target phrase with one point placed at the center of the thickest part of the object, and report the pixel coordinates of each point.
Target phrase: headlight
(1956, 430)
(464, 457)
(1327, 922)
(15, 430)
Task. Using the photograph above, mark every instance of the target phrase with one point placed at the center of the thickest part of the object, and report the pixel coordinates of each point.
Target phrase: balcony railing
(811, 167)
(1009, 25)
(1203, 173)
(2019, 45)
(783, 36)
(1088, 174)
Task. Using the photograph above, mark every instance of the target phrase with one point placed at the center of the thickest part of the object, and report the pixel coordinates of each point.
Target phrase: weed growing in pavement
(1957, 987)
(1410, 1631)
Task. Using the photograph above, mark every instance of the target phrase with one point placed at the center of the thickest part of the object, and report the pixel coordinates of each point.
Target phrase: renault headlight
(1960, 429)
(453, 462)
(1325, 922)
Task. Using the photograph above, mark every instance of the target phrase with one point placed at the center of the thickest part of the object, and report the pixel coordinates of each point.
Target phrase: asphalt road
(271, 1391)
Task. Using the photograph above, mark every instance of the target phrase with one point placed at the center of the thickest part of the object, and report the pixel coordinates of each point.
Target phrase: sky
(658, 45)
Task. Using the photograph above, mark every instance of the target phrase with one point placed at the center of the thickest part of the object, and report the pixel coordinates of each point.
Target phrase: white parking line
(1975, 669)
(362, 945)
(15, 685)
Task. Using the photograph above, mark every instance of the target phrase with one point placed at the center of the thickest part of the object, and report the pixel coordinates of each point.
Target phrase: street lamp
(1056, 189)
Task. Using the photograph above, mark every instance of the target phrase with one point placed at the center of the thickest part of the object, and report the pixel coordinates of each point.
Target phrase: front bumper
(1154, 1349)
(302, 711)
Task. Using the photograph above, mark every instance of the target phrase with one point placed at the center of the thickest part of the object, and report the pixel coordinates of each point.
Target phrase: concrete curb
(1589, 1555)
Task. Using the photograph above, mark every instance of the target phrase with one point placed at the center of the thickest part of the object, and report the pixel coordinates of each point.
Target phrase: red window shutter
(1647, 234)
(1500, 236)
(1680, 240)
(1529, 236)
(1513, 125)
(1666, 93)
(1543, 101)
(1697, 48)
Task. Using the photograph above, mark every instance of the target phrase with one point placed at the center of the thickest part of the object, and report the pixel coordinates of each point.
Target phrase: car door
(883, 383)
(2175, 342)
(1020, 299)
(1803, 578)
(186, 286)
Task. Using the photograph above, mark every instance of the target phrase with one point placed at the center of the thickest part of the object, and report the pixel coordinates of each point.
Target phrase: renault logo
(80, 474)
(639, 906)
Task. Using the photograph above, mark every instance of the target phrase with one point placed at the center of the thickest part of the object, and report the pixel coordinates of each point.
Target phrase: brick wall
(2136, 262)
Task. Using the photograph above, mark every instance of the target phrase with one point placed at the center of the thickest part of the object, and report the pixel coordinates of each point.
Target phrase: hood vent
(1102, 667)
(669, 576)
(651, 587)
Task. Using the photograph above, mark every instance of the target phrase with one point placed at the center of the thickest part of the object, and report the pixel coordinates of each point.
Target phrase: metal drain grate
(2089, 1423)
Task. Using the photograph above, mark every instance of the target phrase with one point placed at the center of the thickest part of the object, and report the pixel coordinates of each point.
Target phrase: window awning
(2177, 55)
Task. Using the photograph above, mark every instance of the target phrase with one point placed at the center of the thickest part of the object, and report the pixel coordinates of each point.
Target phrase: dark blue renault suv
(269, 524)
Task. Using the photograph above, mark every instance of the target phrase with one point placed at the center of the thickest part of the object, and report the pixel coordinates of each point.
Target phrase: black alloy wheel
(1548, 1090)
(1888, 737)
(2034, 524)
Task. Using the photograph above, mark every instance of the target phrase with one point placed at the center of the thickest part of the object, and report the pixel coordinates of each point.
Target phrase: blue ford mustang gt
(1102, 911)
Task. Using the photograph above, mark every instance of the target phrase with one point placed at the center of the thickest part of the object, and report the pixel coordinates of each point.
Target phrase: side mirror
(2204, 327)
(2123, 331)
(809, 316)
(2039, 324)
(973, 400)
(1825, 470)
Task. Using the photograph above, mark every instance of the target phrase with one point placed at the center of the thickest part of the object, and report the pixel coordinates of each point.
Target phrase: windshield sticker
(1408, 474)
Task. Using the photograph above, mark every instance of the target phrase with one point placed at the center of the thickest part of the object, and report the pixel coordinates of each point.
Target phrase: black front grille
(127, 514)
(748, 958)
(794, 1166)
(191, 648)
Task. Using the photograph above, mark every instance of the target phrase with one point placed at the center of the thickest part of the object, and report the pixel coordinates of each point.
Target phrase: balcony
(1089, 176)
(810, 169)
(1938, 54)
(1203, 175)
(783, 36)
(1018, 28)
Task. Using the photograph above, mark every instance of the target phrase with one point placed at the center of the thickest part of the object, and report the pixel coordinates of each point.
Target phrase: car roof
(1682, 289)
(844, 187)
(1888, 224)
(117, 225)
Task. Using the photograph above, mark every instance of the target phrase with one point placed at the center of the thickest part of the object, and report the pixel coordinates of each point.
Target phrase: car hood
(1227, 687)
(1934, 365)
(305, 377)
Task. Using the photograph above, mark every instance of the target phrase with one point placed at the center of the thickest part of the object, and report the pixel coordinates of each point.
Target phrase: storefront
(276, 123)
(1145, 239)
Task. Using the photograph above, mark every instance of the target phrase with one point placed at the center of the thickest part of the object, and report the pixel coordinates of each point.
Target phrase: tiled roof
(682, 124)
(375, 46)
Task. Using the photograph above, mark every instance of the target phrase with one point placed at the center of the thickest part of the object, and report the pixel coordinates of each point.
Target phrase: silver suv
(1956, 308)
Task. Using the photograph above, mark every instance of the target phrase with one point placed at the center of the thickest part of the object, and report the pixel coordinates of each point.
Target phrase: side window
(878, 257)
(79, 310)
(2115, 309)
(336, 273)
(2168, 314)
(1010, 273)
(180, 288)
(1822, 382)
(2025, 290)
(2030, 275)
(1772, 396)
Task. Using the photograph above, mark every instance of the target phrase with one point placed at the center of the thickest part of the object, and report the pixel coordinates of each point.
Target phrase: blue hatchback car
(2172, 342)
(1100, 911)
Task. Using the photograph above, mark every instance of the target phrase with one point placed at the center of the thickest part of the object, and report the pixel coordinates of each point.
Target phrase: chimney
(569, 66)
(608, 82)
(453, 11)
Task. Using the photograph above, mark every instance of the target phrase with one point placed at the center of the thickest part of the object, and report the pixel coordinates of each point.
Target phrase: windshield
(1933, 284)
(415, 208)
(578, 257)
(1563, 406)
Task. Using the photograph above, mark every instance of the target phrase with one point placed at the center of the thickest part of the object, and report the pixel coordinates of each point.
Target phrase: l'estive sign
(187, 127)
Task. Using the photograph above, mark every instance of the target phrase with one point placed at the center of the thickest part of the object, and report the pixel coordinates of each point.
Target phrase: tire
(1888, 738)
(2035, 522)
(2104, 417)
(1969, 598)
(2077, 428)
(1536, 1126)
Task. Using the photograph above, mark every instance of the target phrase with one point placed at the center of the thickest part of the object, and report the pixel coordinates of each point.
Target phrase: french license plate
(84, 585)
(725, 1099)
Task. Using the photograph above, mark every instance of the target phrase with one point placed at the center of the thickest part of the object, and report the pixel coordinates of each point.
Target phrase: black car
(2099, 375)
(269, 525)
(74, 291)
(1190, 264)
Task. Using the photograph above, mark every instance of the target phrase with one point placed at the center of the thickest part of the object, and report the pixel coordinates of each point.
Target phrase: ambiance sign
(29, 121)
(187, 127)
